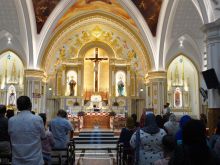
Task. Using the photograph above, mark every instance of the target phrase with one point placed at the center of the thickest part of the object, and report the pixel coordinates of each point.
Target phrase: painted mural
(111, 6)
(150, 9)
(43, 9)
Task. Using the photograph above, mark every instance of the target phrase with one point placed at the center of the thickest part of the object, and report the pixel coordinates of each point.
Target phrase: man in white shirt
(26, 131)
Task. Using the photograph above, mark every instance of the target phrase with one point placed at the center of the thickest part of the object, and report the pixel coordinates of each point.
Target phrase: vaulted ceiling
(150, 10)
(161, 23)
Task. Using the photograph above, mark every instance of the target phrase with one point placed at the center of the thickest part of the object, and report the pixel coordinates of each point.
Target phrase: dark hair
(10, 113)
(44, 117)
(218, 129)
(203, 118)
(194, 132)
(62, 113)
(2, 109)
(24, 103)
(169, 143)
(134, 116)
(160, 121)
(33, 112)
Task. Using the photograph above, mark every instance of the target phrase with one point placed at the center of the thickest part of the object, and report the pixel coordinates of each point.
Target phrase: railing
(5, 159)
(65, 155)
(125, 155)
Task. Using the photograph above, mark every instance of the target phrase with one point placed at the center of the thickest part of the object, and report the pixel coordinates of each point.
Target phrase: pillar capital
(155, 76)
(35, 74)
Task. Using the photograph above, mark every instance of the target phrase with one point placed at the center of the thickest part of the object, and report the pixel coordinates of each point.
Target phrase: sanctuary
(94, 58)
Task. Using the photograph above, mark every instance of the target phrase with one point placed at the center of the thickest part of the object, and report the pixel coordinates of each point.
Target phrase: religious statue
(72, 84)
(96, 60)
(11, 99)
(121, 86)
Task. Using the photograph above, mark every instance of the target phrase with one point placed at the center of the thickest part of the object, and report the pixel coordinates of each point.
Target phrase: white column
(156, 90)
(35, 88)
(212, 32)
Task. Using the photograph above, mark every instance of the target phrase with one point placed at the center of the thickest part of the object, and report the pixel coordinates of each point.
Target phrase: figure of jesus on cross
(96, 60)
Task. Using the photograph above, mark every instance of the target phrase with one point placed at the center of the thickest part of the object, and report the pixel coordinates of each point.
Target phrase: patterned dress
(150, 146)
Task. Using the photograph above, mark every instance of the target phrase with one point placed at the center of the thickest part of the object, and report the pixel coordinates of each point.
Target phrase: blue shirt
(60, 128)
(26, 131)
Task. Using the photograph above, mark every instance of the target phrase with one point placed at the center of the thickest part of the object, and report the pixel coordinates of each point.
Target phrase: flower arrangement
(81, 113)
(116, 104)
(76, 104)
(112, 113)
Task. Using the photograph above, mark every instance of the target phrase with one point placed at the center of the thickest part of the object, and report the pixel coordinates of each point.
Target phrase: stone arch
(148, 50)
(182, 73)
(92, 44)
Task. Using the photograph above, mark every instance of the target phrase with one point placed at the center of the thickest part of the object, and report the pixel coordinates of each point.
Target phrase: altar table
(96, 119)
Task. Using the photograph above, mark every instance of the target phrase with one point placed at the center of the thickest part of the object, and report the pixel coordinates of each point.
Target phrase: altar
(96, 119)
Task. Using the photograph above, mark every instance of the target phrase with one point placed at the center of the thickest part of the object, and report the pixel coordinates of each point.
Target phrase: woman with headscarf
(147, 142)
(194, 149)
(183, 120)
(171, 126)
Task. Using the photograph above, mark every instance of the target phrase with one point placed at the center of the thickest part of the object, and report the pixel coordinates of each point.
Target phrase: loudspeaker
(211, 79)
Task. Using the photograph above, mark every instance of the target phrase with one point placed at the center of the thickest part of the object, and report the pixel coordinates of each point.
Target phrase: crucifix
(96, 60)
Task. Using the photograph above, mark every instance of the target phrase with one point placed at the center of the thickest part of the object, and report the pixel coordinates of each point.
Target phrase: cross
(96, 60)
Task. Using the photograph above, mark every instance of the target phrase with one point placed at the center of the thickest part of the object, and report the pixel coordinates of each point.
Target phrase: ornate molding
(33, 73)
(101, 18)
(155, 75)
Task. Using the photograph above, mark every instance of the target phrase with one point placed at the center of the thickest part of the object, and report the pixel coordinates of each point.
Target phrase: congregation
(29, 138)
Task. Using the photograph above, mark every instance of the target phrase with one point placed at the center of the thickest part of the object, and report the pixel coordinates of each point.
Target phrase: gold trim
(17, 54)
(97, 14)
(33, 73)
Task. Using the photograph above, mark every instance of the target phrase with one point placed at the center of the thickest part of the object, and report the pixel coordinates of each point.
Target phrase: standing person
(194, 149)
(166, 112)
(169, 145)
(60, 128)
(10, 113)
(147, 142)
(134, 117)
(183, 120)
(125, 137)
(214, 137)
(171, 126)
(5, 147)
(26, 131)
(47, 143)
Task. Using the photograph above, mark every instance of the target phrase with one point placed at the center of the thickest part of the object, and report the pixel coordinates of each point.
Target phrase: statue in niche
(121, 86)
(72, 84)
(11, 99)
(177, 98)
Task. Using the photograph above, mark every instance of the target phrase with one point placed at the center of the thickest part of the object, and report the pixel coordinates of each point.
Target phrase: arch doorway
(11, 78)
(183, 86)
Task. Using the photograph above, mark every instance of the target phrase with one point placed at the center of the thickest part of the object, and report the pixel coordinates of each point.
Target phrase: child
(47, 143)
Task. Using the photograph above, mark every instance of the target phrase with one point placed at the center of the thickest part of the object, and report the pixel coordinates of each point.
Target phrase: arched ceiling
(150, 10)
(97, 27)
(43, 9)
(19, 19)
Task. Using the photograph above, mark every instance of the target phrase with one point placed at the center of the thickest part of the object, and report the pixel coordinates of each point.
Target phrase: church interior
(103, 60)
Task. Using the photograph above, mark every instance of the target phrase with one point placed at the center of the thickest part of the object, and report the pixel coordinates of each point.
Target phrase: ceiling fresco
(150, 9)
(42, 9)
(82, 6)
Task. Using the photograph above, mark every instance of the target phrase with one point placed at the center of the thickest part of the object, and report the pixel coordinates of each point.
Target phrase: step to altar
(96, 146)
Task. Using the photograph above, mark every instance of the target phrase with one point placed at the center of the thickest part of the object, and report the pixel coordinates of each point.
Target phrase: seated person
(96, 109)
